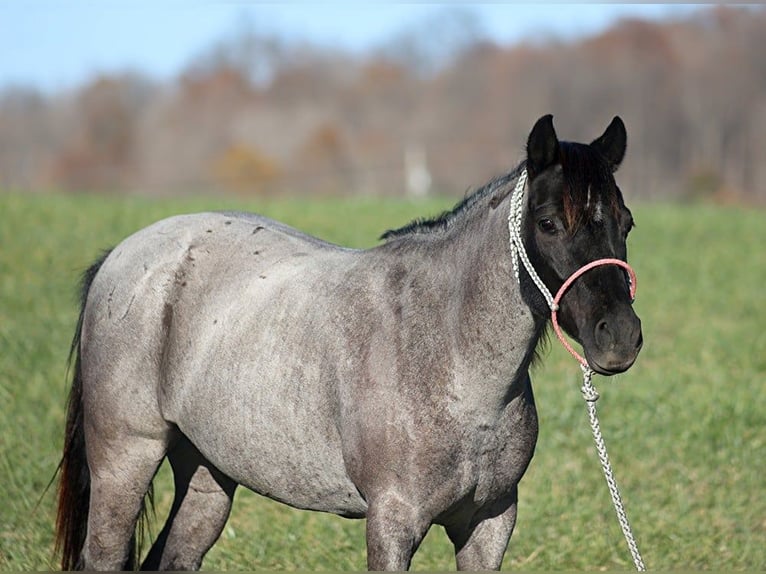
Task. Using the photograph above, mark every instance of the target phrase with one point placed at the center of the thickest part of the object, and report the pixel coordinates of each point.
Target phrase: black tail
(74, 482)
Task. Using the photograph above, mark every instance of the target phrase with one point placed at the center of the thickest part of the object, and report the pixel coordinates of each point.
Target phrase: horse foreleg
(394, 532)
(203, 498)
(481, 546)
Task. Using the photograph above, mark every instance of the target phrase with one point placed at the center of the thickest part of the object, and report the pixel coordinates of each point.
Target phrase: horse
(390, 384)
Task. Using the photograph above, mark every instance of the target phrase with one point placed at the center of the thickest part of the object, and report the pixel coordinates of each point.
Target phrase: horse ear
(542, 146)
(612, 143)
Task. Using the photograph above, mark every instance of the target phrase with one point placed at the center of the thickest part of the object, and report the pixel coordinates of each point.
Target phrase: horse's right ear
(542, 146)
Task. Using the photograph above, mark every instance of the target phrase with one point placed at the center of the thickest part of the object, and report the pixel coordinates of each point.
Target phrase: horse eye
(547, 226)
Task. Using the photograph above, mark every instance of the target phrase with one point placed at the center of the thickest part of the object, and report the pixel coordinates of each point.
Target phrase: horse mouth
(611, 367)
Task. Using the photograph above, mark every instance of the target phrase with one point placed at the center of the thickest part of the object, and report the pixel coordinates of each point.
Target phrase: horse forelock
(589, 192)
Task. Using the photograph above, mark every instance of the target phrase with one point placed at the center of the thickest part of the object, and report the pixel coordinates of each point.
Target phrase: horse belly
(280, 456)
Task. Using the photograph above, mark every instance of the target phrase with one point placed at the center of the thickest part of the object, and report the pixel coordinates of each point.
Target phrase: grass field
(686, 426)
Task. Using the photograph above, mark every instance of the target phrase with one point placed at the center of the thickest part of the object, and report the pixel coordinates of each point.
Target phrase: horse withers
(389, 384)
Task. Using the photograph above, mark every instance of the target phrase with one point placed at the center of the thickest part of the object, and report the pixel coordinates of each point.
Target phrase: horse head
(575, 214)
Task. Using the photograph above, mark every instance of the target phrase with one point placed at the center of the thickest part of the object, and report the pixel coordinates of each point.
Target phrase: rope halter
(589, 392)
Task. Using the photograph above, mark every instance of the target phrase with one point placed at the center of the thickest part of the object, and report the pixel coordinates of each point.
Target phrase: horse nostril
(603, 334)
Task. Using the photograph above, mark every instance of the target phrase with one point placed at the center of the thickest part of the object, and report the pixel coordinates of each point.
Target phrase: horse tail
(74, 481)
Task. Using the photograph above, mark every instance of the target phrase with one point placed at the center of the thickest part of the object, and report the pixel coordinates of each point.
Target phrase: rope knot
(589, 392)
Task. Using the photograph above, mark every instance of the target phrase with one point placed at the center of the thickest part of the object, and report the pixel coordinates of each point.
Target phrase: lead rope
(589, 392)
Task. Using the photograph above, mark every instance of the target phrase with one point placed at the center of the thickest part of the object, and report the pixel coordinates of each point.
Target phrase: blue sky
(52, 44)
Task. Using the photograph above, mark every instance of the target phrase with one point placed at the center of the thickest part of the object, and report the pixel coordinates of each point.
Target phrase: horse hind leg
(121, 472)
(203, 498)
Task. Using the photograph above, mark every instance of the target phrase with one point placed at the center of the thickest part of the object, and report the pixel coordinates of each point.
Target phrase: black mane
(445, 219)
(584, 170)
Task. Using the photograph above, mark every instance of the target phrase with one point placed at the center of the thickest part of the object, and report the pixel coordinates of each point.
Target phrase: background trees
(256, 115)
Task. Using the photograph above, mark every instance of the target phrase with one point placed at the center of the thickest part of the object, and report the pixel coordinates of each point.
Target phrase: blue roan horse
(389, 383)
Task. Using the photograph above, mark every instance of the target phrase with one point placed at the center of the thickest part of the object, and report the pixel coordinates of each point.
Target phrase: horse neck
(497, 333)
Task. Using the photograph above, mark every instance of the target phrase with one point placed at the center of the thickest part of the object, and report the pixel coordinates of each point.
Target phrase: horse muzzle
(615, 343)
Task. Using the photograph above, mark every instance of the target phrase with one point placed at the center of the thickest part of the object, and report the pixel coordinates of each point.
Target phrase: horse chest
(498, 454)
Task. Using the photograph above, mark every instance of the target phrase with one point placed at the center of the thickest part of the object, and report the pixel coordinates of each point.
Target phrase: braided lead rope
(589, 392)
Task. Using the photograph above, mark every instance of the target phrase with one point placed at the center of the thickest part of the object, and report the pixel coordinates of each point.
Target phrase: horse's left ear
(612, 143)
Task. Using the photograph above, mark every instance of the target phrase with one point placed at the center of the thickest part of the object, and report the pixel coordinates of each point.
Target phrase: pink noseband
(568, 283)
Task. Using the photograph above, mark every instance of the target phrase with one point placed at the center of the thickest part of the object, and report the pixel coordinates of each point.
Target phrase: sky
(59, 44)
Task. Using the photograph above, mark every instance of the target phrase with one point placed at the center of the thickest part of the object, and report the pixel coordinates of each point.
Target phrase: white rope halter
(589, 392)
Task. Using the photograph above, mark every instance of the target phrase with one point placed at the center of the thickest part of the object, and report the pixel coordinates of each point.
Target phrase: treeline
(440, 111)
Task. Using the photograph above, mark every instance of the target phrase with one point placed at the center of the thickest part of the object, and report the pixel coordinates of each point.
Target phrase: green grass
(686, 427)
